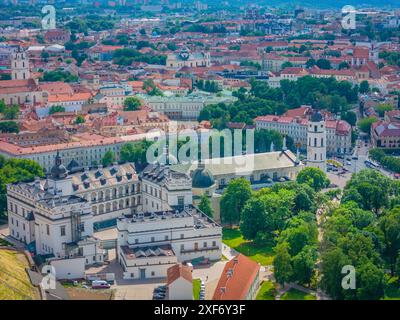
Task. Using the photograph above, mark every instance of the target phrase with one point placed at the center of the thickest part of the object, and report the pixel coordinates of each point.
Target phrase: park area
(261, 252)
(267, 291)
(294, 294)
(14, 280)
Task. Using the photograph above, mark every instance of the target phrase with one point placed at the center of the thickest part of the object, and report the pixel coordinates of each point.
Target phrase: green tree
(253, 218)
(323, 64)
(10, 112)
(370, 189)
(283, 270)
(80, 119)
(205, 205)
(132, 104)
(135, 152)
(310, 63)
(9, 127)
(286, 64)
(108, 158)
(332, 263)
(364, 86)
(350, 117)
(233, 200)
(16, 170)
(365, 124)
(370, 282)
(314, 177)
(303, 264)
(389, 225)
(382, 108)
(55, 109)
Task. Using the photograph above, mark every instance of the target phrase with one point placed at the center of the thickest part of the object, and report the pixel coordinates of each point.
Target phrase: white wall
(69, 268)
(180, 289)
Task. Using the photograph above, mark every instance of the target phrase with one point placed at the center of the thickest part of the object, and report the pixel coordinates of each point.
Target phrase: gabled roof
(179, 271)
(236, 279)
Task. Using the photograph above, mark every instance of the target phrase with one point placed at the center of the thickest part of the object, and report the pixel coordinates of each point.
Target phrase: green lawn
(196, 289)
(267, 291)
(259, 252)
(294, 294)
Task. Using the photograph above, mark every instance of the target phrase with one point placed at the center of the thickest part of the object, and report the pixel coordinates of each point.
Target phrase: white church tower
(20, 66)
(316, 142)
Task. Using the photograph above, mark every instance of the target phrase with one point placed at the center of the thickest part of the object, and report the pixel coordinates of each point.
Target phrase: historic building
(338, 132)
(20, 66)
(316, 142)
(21, 89)
(51, 219)
(185, 58)
(184, 107)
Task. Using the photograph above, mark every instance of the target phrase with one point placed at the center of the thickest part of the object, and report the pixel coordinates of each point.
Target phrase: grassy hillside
(14, 281)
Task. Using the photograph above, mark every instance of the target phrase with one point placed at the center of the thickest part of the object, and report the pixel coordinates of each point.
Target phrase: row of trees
(389, 162)
(330, 94)
(283, 214)
(262, 213)
(363, 232)
(59, 75)
(209, 86)
(127, 56)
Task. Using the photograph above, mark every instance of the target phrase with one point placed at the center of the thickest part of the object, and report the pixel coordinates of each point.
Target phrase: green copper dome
(202, 178)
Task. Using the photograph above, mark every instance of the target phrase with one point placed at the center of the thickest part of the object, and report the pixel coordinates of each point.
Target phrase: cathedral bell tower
(316, 142)
(20, 66)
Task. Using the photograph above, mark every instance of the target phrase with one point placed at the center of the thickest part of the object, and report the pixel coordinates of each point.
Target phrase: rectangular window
(47, 229)
(181, 201)
(62, 231)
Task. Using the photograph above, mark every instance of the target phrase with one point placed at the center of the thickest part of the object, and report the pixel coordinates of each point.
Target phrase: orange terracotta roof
(69, 97)
(236, 279)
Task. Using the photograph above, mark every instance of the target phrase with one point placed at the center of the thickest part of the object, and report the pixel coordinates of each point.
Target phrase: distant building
(385, 135)
(57, 36)
(185, 58)
(240, 280)
(184, 107)
(338, 132)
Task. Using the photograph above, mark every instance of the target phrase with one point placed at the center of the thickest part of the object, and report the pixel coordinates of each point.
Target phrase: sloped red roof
(177, 271)
(236, 279)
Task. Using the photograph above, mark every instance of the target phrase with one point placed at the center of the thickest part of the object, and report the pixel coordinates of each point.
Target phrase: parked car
(100, 284)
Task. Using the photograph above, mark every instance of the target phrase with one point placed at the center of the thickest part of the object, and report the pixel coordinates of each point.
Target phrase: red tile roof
(236, 279)
(177, 271)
